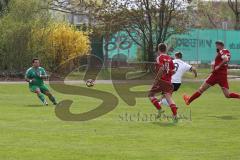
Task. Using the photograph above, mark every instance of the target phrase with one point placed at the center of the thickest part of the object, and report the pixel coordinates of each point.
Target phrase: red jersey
(165, 61)
(218, 60)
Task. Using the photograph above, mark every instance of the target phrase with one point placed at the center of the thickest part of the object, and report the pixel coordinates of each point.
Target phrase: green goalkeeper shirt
(34, 74)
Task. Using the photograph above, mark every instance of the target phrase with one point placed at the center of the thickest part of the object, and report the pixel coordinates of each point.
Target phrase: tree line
(28, 29)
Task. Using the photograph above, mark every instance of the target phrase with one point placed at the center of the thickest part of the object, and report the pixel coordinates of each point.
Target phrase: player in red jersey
(218, 75)
(162, 83)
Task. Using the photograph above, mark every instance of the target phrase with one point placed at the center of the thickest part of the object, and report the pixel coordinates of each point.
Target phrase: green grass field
(29, 131)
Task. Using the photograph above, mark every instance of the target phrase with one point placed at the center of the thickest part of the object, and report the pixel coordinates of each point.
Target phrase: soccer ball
(90, 83)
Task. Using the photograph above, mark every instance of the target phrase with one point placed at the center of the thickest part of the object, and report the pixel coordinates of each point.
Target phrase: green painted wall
(200, 44)
(197, 45)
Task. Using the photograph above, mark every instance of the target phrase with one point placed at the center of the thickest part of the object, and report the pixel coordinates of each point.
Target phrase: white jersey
(180, 68)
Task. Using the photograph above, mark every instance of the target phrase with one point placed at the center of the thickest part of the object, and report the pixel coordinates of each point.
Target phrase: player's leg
(171, 103)
(37, 90)
(51, 97)
(197, 94)
(230, 95)
(45, 90)
(160, 87)
(211, 81)
(234, 95)
(154, 90)
(225, 88)
(163, 100)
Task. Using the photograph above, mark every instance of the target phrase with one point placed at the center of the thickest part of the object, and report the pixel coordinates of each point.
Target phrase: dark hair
(162, 47)
(178, 54)
(219, 43)
(34, 59)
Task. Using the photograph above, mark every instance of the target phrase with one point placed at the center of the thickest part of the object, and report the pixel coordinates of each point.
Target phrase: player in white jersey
(181, 67)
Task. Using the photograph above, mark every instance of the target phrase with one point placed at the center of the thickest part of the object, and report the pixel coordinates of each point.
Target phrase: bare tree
(235, 6)
(147, 22)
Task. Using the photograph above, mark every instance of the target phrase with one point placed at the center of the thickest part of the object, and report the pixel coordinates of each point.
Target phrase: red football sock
(234, 95)
(194, 96)
(174, 109)
(156, 103)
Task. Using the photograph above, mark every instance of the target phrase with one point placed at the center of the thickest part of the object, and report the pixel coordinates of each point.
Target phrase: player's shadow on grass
(164, 124)
(225, 117)
(34, 105)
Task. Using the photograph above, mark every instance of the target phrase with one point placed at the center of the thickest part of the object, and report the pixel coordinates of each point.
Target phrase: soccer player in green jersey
(35, 76)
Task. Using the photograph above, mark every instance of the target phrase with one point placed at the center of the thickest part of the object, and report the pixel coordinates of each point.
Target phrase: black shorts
(176, 86)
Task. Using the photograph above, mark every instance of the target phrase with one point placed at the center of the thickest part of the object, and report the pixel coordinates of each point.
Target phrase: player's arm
(27, 77)
(43, 74)
(173, 72)
(190, 68)
(194, 70)
(225, 59)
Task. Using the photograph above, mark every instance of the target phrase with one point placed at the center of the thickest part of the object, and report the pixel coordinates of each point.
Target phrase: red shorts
(220, 79)
(161, 87)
